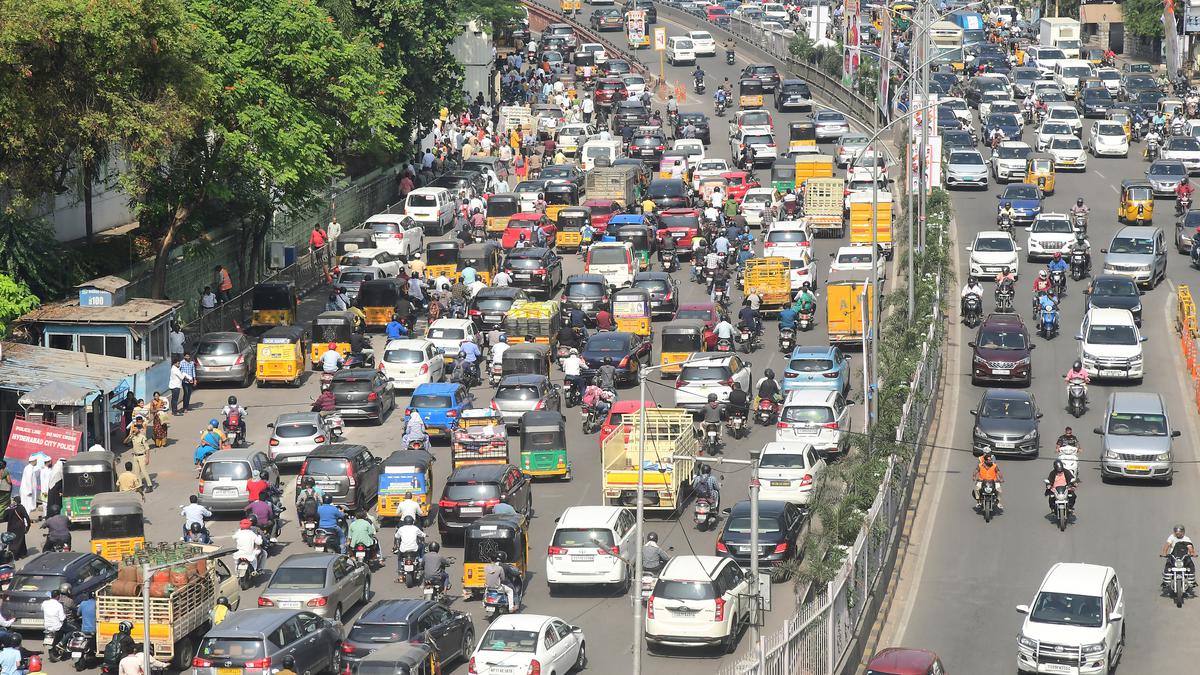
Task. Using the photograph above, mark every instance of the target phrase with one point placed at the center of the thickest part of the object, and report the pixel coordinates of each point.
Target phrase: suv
(761, 143)
(536, 270)
(586, 545)
(1139, 252)
(451, 632)
(793, 94)
(789, 471)
(1075, 624)
(610, 90)
(224, 476)
(488, 307)
(251, 640)
(648, 144)
(1006, 422)
(346, 472)
(704, 374)
(1111, 344)
(664, 292)
(1050, 233)
(1136, 438)
(225, 357)
(471, 492)
(763, 72)
(699, 122)
(630, 113)
(698, 600)
(84, 572)
(1110, 290)
(586, 292)
(820, 418)
(1002, 351)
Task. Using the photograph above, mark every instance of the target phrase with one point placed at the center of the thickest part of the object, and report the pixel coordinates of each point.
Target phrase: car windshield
(1052, 129)
(807, 414)
(404, 356)
(1168, 169)
(993, 245)
(430, 401)
(298, 578)
(1067, 610)
(1134, 424)
(1115, 287)
(354, 277)
(653, 285)
(756, 118)
(1002, 119)
(608, 255)
(744, 525)
(1052, 225)
(1007, 408)
(1112, 335)
(1097, 93)
(1184, 144)
(1021, 192)
(524, 263)
(810, 365)
(1137, 245)
(610, 342)
(498, 304)
(1014, 152)
(326, 466)
(224, 648)
(303, 430)
(1110, 130)
(787, 236)
(517, 393)
(443, 333)
(705, 373)
(469, 492)
(584, 289)
(218, 470)
(684, 590)
(574, 537)
(1068, 143)
(498, 640)
(967, 158)
(782, 460)
(216, 349)
(35, 583)
(846, 259)
(379, 632)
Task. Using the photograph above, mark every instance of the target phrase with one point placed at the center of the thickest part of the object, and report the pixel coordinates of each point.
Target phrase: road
(606, 620)
(973, 574)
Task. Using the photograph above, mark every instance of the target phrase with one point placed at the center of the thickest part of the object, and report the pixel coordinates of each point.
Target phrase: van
(432, 207)
(1076, 619)
(613, 260)
(586, 547)
(680, 50)
(1110, 344)
(1136, 438)
(599, 153)
(1069, 72)
(817, 417)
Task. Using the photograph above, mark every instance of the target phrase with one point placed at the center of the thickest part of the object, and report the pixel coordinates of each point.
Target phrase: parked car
(472, 491)
(363, 393)
(1006, 423)
(1002, 351)
(295, 435)
(346, 472)
(385, 622)
(779, 526)
(223, 478)
(530, 643)
(250, 640)
(225, 357)
(325, 583)
(31, 584)
(698, 600)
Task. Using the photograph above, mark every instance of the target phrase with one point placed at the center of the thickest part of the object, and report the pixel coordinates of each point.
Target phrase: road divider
(1185, 325)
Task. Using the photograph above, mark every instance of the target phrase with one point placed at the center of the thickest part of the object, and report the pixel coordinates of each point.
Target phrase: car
(404, 236)
(988, 98)
(563, 30)
(610, 90)
(586, 546)
(383, 259)
(787, 238)
(698, 600)
(226, 357)
(1066, 114)
(488, 307)
(1116, 292)
(711, 373)
(635, 84)
(1068, 153)
(472, 491)
(595, 48)
(539, 271)
(946, 122)
(1164, 175)
(738, 183)
(1006, 423)
(629, 353)
(1108, 138)
(763, 150)
(1185, 231)
(630, 112)
(818, 417)
(534, 228)
(849, 145)
(757, 204)
(1136, 83)
(905, 661)
(1022, 80)
(1110, 345)
(703, 42)
(351, 278)
(801, 270)
(519, 394)
(1078, 607)
(1185, 149)
(1008, 161)
(326, 583)
(856, 259)
(223, 478)
(571, 137)
(763, 72)
(788, 471)
(966, 168)
(1095, 102)
(346, 472)
(363, 393)
(1050, 233)
(1138, 252)
(607, 19)
(1006, 124)
(251, 639)
(778, 526)
(604, 209)
(792, 94)
(752, 121)
(958, 140)
(617, 67)
(530, 191)
(664, 292)
(1050, 130)
(707, 313)
(439, 405)
(84, 572)
(709, 167)
(295, 435)
(448, 334)
(830, 124)
(411, 362)
(1026, 201)
(957, 107)
(1008, 107)
(991, 252)
(529, 643)
(647, 5)
(450, 632)
(716, 14)
(563, 173)
(818, 367)
(1111, 77)
(586, 292)
(1145, 102)
(1002, 351)
(699, 121)
(680, 224)
(647, 145)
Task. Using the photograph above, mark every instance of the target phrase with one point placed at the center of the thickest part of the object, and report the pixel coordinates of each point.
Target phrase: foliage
(30, 254)
(15, 300)
(1143, 17)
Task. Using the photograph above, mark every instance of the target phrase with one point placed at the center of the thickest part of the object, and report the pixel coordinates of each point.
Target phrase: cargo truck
(669, 432)
(1060, 32)
(771, 279)
(823, 205)
(861, 214)
(844, 296)
(618, 183)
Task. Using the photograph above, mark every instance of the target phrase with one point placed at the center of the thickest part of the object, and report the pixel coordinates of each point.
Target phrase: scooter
(698, 86)
(787, 339)
(1058, 282)
(1076, 397)
(704, 513)
(747, 338)
(1078, 265)
(1080, 222)
(1182, 204)
(712, 438)
(972, 310)
(805, 318)
(670, 262)
(720, 107)
(1048, 326)
(729, 58)
(325, 539)
(1004, 223)
(495, 373)
(767, 412)
(724, 345)
(573, 395)
(82, 647)
(495, 602)
(592, 419)
(247, 572)
(736, 423)
(1069, 456)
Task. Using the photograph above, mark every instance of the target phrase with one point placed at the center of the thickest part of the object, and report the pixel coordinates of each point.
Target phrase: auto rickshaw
(526, 359)
(273, 303)
(1137, 202)
(750, 93)
(802, 136)
(281, 353)
(538, 320)
(631, 310)
(485, 259)
(118, 525)
(479, 436)
(377, 299)
(543, 436)
(487, 536)
(585, 65)
(559, 196)
(405, 472)
(1039, 171)
(86, 475)
(783, 174)
(441, 257)
(570, 85)
(707, 184)
(1170, 106)
(642, 239)
(680, 339)
(401, 658)
(335, 327)
(352, 240)
(671, 159)
(500, 207)
(569, 6)
(570, 223)
(1122, 117)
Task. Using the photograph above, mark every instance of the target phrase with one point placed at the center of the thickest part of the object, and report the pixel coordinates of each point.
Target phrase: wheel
(987, 512)
(181, 660)
(244, 582)
(335, 661)
(366, 590)
(1062, 521)
(730, 645)
(337, 613)
(581, 659)
(468, 644)
(1178, 593)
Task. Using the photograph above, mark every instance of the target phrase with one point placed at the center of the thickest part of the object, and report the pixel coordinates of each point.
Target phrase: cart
(479, 437)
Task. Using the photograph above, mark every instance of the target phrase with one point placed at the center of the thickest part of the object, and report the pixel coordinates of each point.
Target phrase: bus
(972, 25)
(947, 39)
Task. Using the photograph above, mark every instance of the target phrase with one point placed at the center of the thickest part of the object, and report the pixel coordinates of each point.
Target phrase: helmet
(245, 524)
(264, 475)
(308, 482)
(223, 601)
(807, 286)
(1178, 530)
(332, 346)
(409, 520)
(501, 556)
(8, 538)
(988, 456)
(214, 423)
(1080, 237)
(125, 627)
(195, 528)
(653, 536)
(574, 352)
(1058, 465)
(434, 547)
(1078, 364)
(232, 400)
(1079, 201)
(1057, 255)
(608, 360)
(1007, 270)
(64, 588)
(253, 520)
(1043, 274)
(327, 499)
(503, 337)
(769, 373)
(712, 398)
(289, 662)
(324, 386)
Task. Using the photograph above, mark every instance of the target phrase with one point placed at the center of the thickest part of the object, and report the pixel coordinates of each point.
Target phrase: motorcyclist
(394, 329)
(1048, 302)
(1153, 139)
(248, 545)
(328, 516)
(1081, 244)
(1080, 209)
(597, 398)
(259, 486)
(1041, 284)
(434, 564)
(972, 288)
(606, 376)
(1005, 277)
(698, 75)
(121, 644)
(672, 106)
(787, 317)
(87, 615)
(720, 98)
(723, 329)
(221, 610)
(1184, 189)
(572, 368)
(667, 243)
(805, 298)
(194, 513)
(1068, 437)
(308, 499)
(730, 48)
(739, 401)
(362, 531)
(262, 512)
(1178, 537)
(1076, 372)
(409, 539)
(751, 318)
(331, 360)
(1057, 264)
(196, 534)
(58, 532)
(408, 508)
(712, 412)
(1060, 477)
(1006, 211)
(54, 618)
(988, 469)
(653, 557)
(503, 576)
(768, 388)
(325, 402)
(708, 487)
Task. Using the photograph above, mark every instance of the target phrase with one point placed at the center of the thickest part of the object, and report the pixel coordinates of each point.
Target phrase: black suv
(630, 113)
(585, 292)
(664, 292)
(450, 632)
(607, 19)
(347, 472)
(793, 95)
(667, 193)
(363, 393)
(471, 492)
(84, 572)
(763, 72)
(537, 270)
(647, 145)
(488, 307)
(699, 121)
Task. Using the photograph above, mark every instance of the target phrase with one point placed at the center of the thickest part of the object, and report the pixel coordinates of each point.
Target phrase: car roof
(992, 234)
(790, 447)
(54, 563)
(766, 507)
(478, 472)
(814, 350)
(810, 397)
(407, 343)
(1109, 316)
(629, 405)
(588, 516)
(1137, 402)
(1076, 578)
(527, 379)
(436, 388)
(392, 611)
(220, 337)
(902, 660)
(249, 622)
(522, 621)
(316, 560)
(1006, 394)
(498, 292)
(691, 567)
(233, 455)
(337, 450)
(452, 323)
(698, 359)
(296, 418)
(354, 374)
(1003, 319)
(658, 276)
(1136, 230)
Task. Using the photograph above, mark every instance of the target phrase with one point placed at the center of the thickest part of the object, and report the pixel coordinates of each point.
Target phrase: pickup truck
(669, 432)
(771, 279)
(823, 205)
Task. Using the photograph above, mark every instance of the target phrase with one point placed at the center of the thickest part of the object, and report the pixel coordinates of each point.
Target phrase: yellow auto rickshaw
(671, 159)
(1137, 202)
(441, 257)
(680, 339)
(750, 93)
(1039, 171)
(484, 538)
(118, 525)
(352, 240)
(281, 352)
(570, 228)
(405, 472)
(485, 259)
(334, 327)
(273, 303)
(567, 7)
(585, 65)
(1170, 106)
(1122, 117)
(559, 196)
(378, 299)
(501, 207)
(802, 136)
(631, 310)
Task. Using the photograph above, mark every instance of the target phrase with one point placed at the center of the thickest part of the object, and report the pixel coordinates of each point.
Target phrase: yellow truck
(813, 166)
(860, 214)
(843, 308)
(669, 432)
(824, 201)
(771, 279)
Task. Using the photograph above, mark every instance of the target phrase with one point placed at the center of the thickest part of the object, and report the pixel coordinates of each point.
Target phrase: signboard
(922, 106)
(933, 163)
(94, 297)
(635, 26)
(660, 39)
(1191, 20)
(29, 440)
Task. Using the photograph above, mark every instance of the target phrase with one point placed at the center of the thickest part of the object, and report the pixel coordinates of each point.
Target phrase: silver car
(224, 475)
(225, 357)
(830, 125)
(1165, 175)
(519, 394)
(326, 584)
(249, 641)
(966, 168)
(1137, 438)
(1138, 252)
(294, 435)
(351, 278)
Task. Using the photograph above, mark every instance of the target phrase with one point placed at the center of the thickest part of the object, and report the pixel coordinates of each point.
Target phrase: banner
(885, 65)
(933, 163)
(850, 53)
(29, 440)
(635, 24)
(1174, 57)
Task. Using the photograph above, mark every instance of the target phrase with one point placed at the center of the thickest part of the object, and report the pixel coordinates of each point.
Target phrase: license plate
(76, 655)
(408, 567)
(781, 483)
(1059, 668)
(1001, 371)
(583, 558)
(521, 275)
(492, 317)
(471, 510)
(229, 671)
(28, 622)
(1111, 373)
(361, 555)
(1137, 467)
(310, 526)
(225, 492)
(289, 604)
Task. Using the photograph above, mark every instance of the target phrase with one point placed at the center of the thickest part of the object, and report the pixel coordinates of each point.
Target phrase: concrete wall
(473, 49)
(110, 207)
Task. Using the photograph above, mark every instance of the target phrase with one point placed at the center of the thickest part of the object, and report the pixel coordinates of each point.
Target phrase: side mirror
(1144, 338)
(1022, 609)
(1115, 617)
(1104, 250)
(1038, 416)
(974, 413)
(270, 425)
(1033, 346)
(1078, 337)
(1098, 430)
(1176, 433)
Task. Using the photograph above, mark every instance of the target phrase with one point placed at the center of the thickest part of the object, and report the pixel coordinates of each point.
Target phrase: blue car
(1026, 201)
(439, 404)
(817, 368)
(1005, 123)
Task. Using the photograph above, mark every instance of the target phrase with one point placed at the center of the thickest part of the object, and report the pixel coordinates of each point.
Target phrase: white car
(991, 252)
(776, 27)
(787, 238)
(1185, 149)
(966, 168)
(571, 137)
(990, 97)
(774, 11)
(636, 84)
(529, 643)
(1066, 113)
(448, 335)
(1050, 233)
(586, 545)
(756, 203)
(761, 143)
(1110, 344)
(752, 121)
(959, 107)
(703, 43)
(1051, 130)
(399, 234)
(1079, 609)
(1008, 161)
(855, 259)
(788, 471)
(709, 167)
(818, 417)
(698, 600)
(409, 363)
(529, 192)
(694, 147)
(1068, 153)
(1111, 78)
(802, 271)
(1108, 138)
(596, 48)
(848, 147)
(387, 262)
(710, 373)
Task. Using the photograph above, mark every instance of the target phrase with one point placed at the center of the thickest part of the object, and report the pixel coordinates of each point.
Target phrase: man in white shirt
(194, 512)
(54, 615)
(724, 330)
(475, 286)
(501, 279)
(588, 107)
(408, 508)
(176, 340)
(135, 664)
(248, 545)
(572, 368)
(331, 360)
(475, 204)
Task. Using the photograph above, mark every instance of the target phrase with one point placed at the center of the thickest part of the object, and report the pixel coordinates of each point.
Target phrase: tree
(30, 254)
(15, 300)
(1143, 17)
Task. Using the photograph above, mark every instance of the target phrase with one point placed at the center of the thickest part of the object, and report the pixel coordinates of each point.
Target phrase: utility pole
(635, 585)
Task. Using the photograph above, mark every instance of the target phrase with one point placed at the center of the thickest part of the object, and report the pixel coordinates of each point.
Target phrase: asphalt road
(973, 574)
(606, 620)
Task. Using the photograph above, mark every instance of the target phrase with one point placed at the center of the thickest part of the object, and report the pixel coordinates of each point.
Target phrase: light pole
(638, 562)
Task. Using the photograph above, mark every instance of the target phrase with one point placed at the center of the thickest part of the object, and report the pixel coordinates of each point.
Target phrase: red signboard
(32, 439)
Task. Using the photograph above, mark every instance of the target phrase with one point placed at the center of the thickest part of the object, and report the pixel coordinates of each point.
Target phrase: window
(563, 629)
(116, 345)
(158, 342)
(550, 639)
(92, 344)
(60, 341)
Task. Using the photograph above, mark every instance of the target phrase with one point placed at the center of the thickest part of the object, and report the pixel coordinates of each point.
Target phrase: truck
(823, 202)
(178, 620)
(669, 433)
(515, 117)
(844, 295)
(771, 278)
(1060, 32)
(618, 183)
(861, 213)
(971, 23)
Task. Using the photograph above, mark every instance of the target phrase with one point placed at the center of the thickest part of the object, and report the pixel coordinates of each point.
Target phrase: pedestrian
(332, 231)
(128, 481)
(18, 522)
(406, 184)
(176, 340)
(175, 384)
(317, 239)
(127, 407)
(159, 420)
(588, 107)
(140, 439)
(224, 283)
(519, 167)
(54, 491)
(6, 487)
(188, 367)
(30, 491)
(208, 299)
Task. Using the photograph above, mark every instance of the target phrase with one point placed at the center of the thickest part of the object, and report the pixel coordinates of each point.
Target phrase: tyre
(468, 644)
(366, 596)
(987, 511)
(337, 614)
(581, 660)
(1178, 592)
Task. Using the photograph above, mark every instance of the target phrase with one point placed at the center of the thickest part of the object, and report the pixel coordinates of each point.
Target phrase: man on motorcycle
(1081, 244)
(1076, 372)
(787, 318)
(54, 618)
(1057, 264)
(1068, 437)
(325, 402)
(362, 531)
(730, 48)
(672, 106)
(248, 545)
(232, 407)
(1184, 190)
(1080, 209)
(194, 513)
(667, 243)
(572, 368)
(768, 388)
(1060, 477)
(805, 299)
(1179, 536)
(504, 577)
(698, 76)
(409, 539)
(988, 469)
(653, 557)
(606, 375)
(1152, 141)
(395, 330)
(434, 565)
(331, 360)
(1006, 211)
(972, 288)
(469, 351)
(749, 317)
(719, 98)
(58, 532)
(1005, 277)
(408, 508)
(259, 487)
(328, 516)
(708, 487)
(1048, 302)
(1041, 284)
(739, 401)
(262, 513)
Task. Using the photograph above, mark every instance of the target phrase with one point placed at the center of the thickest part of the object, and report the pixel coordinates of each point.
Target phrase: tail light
(273, 442)
(451, 414)
(624, 362)
(678, 385)
(259, 664)
(782, 425)
(541, 405)
(35, 663)
(198, 662)
(318, 439)
(555, 550)
(347, 648)
(240, 360)
(380, 367)
(831, 376)
(720, 615)
(447, 504)
(471, 667)
(650, 607)
(424, 368)
(722, 548)
(769, 244)
(726, 383)
(372, 396)
(201, 488)
(494, 406)
(535, 668)
(662, 147)
(489, 503)
(831, 425)
(806, 481)
(781, 548)
(408, 411)
(317, 602)
(614, 551)
(265, 602)
(474, 312)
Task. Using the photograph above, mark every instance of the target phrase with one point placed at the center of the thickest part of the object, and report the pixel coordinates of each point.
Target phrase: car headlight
(1136, 308)
(980, 434)
(1022, 362)
(1097, 648)
(1087, 356)
(1030, 436)
(1026, 642)
(1164, 457)
(1109, 454)
(979, 359)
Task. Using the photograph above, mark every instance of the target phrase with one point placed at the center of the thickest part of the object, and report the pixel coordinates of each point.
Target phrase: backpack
(115, 651)
(308, 507)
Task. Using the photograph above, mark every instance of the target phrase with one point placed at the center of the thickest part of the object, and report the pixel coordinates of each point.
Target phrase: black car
(943, 78)
(763, 72)
(562, 173)
(490, 304)
(1006, 422)
(471, 492)
(664, 292)
(699, 121)
(779, 526)
(1146, 102)
(450, 632)
(793, 95)
(957, 140)
(84, 572)
(667, 193)
(648, 5)
(1094, 102)
(1133, 85)
(537, 270)
(363, 393)
(607, 19)
(458, 181)
(628, 352)
(630, 113)
(1117, 292)
(585, 292)
(647, 145)
(974, 89)
(347, 472)
(617, 67)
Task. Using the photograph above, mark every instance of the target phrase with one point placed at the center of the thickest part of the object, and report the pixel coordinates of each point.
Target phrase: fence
(1185, 325)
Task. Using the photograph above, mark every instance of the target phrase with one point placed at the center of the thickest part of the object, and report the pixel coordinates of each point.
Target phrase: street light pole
(635, 584)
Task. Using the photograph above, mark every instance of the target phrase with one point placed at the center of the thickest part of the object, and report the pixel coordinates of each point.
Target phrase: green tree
(15, 300)
(30, 254)
(1143, 17)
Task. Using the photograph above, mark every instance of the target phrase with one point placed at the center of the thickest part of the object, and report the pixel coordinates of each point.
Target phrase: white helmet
(574, 352)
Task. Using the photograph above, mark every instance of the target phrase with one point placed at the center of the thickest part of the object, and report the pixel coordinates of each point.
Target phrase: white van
(611, 260)
(432, 207)
(587, 546)
(1068, 73)
(680, 50)
(1077, 617)
(598, 151)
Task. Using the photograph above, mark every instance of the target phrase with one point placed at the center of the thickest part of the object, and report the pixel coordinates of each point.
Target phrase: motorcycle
(988, 498)
(495, 373)
(1076, 397)
(704, 513)
(767, 412)
(1138, 131)
(1004, 223)
(326, 539)
(698, 86)
(1079, 222)
(736, 424)
(592, 419)
(1062, 505)
(787, 339)
(1004, 298)
(1182, 579)
(1151, 152)
(747, 338)
(1183, 202)
(247, 572)
(729, 58)
(721, 107)
(1058, 282)
(1028, 113)
(972, 310)
(82, 647)
(478, 234)
(724, 345)
(1079, 266)
(673, 117)
(670, 261)
(308, 527)
(712, 438)
(368, 555)
(573, 395)
(1195, 253)
(1069, 456)
(1048, 326)
(411, 567)
(235, 429)
(720, 295)
(495, 602)
(805, 318)
(648, 582)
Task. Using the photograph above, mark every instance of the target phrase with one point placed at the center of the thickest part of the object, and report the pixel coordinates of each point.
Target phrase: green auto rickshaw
(86, 475)
(543, 436)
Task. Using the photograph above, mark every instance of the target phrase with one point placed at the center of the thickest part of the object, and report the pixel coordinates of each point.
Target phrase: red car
(716, 14)
(524, 223)
(902, 661)
(706, 312)
(602, 211)
(609, 90)
(620, 408)
(738, 183)
(682, 224)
